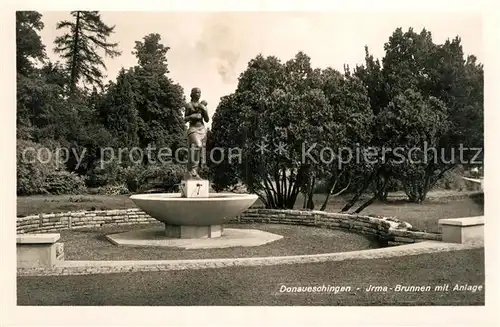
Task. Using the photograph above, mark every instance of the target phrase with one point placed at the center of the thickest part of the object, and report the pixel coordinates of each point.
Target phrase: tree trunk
(310, 198)
(289, 192)
(293, 197)
(75, 54)
(330, 191)
(279, 194)
(299, 184)
(272, 191)
(360, 192)
(366, 204)
(431, 184)
(381, 188)
(295, 188)
(385, 196)
(269, 194)
(285, 188)
(263, 200)
(325, 203)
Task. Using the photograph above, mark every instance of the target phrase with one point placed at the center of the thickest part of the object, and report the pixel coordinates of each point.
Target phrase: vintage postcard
(196, 159)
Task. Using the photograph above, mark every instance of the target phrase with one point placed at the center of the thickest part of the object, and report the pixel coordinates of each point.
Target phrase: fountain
(195, 216)
(201, 216)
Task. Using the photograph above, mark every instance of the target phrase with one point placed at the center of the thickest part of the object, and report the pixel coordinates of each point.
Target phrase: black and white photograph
(257, 158)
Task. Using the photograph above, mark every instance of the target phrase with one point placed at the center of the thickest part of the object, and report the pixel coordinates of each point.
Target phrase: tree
(225, 121)
(78, 47)
(354, 117)
(29, 51)
(370, 74)
(371, 174)
(440, 71)
(41, 112)
(279, 109)
(412, 126)
(414, 65)
(471, 113)
(151, 54)
(460, 84)
(409, 62)
(118, 112)
(29, 46)
(54, 73)
(158, 99)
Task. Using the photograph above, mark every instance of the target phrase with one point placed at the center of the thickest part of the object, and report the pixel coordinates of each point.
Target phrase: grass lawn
(30, 205)
(91, 244)
(441, 204)
(260, 285)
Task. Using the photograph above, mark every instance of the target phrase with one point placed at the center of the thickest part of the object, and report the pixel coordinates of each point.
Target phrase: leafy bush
(32, 172)
(452, 180)
(112, 190)
(41, 171)
(394, 185)
(64, 182)
(107, 174)
(139, 178)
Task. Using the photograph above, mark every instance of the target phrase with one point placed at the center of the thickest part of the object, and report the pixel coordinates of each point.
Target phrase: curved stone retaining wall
(387, 229)
(53, 222)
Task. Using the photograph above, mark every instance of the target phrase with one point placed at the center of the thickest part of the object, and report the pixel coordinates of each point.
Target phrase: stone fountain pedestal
(176, 231)
(194, 188)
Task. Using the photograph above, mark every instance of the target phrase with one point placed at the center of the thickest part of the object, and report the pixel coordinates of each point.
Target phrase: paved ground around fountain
(260, 285)
(231, 237)
(91, 244)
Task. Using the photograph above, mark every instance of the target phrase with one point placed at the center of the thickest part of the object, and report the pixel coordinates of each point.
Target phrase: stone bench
(462, 230)
(38, 250)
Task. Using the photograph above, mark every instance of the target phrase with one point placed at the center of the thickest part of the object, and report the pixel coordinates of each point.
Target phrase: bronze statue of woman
(195, 113)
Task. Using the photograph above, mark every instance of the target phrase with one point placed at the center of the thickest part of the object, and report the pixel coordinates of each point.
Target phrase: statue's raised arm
(203, 106)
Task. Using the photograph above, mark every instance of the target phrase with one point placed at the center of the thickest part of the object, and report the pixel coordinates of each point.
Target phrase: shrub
(109, 174)
(112, 190)
(452, 180)
(40, 171)
(32, 172)
(139, 178)
(64, 182)
(394, 185)
(133, 177)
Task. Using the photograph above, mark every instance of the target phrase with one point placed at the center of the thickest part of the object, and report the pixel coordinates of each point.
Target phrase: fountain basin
(173, 209)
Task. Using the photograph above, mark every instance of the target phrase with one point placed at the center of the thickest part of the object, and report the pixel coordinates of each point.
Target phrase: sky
(210, 49)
